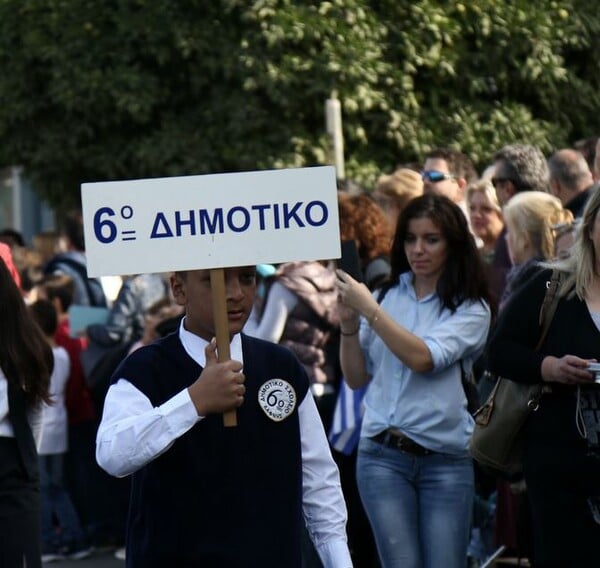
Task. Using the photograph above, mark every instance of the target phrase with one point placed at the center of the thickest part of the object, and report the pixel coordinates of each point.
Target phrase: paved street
(99, 560)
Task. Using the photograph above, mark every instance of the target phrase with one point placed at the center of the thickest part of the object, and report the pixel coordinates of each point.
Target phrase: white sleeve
(35, 419)
(322, 499)
(280, 303)
(133, 432)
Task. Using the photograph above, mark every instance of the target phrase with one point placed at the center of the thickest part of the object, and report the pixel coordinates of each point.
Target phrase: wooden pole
(333, 125)
(219, 298)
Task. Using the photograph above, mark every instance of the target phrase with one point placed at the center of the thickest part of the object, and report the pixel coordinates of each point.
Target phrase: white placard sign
(210, 221)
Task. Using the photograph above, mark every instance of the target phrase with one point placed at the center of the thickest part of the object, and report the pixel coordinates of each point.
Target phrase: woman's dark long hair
(463, 276)
(25, 355)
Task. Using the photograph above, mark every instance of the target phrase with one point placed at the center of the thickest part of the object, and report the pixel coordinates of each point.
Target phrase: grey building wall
(20, 207)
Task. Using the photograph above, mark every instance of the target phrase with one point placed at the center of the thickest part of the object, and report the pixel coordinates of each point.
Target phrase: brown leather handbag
(497, 441)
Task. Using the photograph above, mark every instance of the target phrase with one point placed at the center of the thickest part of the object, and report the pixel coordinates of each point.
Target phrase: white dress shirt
(133, 432)
(54, 438)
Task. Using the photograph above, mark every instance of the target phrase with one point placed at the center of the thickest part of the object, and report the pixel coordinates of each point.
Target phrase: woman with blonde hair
(393, 192)
(530, 217)
(487, 224)
(485, 216)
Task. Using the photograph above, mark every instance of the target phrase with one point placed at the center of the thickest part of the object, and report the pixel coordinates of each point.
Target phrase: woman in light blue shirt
(414, 472)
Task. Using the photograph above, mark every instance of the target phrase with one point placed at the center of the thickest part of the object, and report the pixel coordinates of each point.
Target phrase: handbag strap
(549, 305)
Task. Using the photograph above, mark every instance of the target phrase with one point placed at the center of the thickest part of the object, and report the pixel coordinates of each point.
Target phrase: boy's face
(192, 290)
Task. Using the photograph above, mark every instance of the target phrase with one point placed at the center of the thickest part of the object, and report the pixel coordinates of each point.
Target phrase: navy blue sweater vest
(218, 497)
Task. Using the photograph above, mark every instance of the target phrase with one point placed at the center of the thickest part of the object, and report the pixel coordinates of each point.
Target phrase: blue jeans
(419, 507)
(57, 503)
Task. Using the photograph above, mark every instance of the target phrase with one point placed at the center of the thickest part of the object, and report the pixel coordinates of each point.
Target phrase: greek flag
(347, 419)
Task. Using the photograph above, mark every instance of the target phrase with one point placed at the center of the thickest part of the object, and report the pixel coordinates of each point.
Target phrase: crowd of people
(451, 270)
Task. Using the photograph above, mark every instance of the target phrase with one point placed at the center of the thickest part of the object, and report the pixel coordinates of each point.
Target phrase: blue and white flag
(347, 419)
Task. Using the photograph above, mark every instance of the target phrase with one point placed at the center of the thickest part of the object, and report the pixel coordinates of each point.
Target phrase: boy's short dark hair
(73, 230)
(12, 237)
(44, 314)
(59, 286)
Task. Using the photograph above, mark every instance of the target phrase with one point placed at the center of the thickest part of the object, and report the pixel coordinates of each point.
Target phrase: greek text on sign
(212, 221)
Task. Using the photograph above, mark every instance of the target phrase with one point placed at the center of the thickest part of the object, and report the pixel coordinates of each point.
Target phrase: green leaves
(129, 89)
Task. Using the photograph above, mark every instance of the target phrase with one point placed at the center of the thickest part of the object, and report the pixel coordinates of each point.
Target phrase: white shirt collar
(194, 345)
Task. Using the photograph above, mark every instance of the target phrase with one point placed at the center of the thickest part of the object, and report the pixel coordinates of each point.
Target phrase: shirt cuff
(335, 554)
(180, 412)
(435, 352)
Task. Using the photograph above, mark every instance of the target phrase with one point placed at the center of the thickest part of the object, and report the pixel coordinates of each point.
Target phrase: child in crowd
(56, 502)
(208, 495)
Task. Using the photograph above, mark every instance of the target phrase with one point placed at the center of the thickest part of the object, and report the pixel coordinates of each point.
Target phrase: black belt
(395, 439)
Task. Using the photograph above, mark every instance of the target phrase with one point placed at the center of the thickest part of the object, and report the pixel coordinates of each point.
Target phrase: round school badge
(277, 398)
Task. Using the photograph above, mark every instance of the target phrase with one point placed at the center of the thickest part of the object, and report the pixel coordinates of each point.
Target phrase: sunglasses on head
(434, 176)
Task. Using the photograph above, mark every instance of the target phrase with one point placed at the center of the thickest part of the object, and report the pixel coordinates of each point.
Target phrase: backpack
(93, 286)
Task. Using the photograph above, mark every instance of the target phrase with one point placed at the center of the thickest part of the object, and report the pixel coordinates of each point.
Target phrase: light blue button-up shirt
(430, 408)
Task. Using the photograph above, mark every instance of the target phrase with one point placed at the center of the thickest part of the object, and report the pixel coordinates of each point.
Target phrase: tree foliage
(97, 90)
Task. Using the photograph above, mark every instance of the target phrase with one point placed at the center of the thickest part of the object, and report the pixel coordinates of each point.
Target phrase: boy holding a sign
(204, 494)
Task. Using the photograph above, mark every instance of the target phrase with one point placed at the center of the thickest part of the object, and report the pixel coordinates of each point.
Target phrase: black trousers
(562, 471)
(20, 539)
